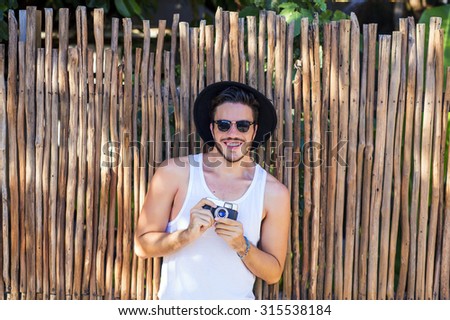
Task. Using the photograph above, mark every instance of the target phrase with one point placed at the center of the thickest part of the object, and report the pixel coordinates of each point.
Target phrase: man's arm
(267, 261)
(151, 239)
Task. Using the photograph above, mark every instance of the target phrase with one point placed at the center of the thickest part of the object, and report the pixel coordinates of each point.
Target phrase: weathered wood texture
(361, 145)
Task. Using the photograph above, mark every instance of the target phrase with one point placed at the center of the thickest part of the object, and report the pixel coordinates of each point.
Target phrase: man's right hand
(200, 220)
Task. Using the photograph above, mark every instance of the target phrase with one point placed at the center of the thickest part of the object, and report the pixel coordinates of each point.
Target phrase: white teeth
(233, 144)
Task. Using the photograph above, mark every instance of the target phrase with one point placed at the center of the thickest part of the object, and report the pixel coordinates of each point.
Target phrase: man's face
(233, 144)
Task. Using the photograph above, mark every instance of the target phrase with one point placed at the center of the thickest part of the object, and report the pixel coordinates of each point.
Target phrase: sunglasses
(241, 125)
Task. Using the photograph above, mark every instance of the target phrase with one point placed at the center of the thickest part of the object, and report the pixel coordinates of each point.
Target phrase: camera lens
(222, 213)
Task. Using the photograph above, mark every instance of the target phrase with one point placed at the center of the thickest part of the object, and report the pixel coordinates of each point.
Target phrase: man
(207, 257)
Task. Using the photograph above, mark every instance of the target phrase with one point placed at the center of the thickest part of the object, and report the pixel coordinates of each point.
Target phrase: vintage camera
(223, 209)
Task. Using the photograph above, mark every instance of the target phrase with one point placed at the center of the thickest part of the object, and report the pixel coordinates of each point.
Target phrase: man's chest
(227, 189)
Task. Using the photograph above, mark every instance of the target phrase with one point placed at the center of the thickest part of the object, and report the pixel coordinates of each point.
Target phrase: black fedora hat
(267, 116)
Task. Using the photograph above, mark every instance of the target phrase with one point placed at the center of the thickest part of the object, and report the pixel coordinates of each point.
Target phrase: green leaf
(3, 30)
(249, 11)
(444, 13)
(326, 16)
(305, 13)
(122, 8)
(105, 5)
(339, 15)
(321, 4)
(291, 15)
(292, 6)
(134, 7)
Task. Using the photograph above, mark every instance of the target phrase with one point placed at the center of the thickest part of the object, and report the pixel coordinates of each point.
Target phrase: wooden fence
(361, 144)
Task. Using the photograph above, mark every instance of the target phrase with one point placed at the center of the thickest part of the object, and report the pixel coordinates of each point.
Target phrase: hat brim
(267, 118)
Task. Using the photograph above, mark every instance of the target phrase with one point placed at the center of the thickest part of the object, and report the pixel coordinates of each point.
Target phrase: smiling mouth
(233, 144)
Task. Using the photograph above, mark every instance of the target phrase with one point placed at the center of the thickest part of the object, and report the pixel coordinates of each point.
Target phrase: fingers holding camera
(232, 232)
(200, 220)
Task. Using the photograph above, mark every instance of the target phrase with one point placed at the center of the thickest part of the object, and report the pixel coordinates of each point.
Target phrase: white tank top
(208, 268)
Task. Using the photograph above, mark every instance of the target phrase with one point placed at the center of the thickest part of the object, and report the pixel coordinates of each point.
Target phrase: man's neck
(216, 162)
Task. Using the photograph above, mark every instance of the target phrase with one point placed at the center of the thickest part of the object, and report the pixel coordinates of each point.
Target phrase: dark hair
(235, 95)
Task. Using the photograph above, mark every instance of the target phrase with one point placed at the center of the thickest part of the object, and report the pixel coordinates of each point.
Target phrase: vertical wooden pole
(445, 263)
(105, 180)
(234, 46)
(72, 170)
(324, 159)
(209, 36)
(316, 105)
(184, 86)
(344, 85)
(436, 166)
(218, 43)
(127, 160)
(54, 178)
(82, 33)
(193, 87)
(225, 60)
(394, 86)
(118, 109)
(397, 163)
(296, 183)
(5, 279)
(241, 45)
(47, 147)
(377, 181)
(288, 150)
(201, 56)
(352, 159)
(13, 154)
(39, 146)
(371, 35)
(140, 290)
(420, 35)
(426, 158)
(30, 103)
(137, 149)
(167, 137)
(261, 50)
(173, 86)
(360, 160)
(21, 148)
(110, 188)
(252, 52)
(91, 170)
(89, 281)
(332, 175)
(407, 157)
(151, 120)
(306, 94)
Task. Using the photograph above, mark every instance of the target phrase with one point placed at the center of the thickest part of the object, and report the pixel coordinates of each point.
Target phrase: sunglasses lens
(223, 125)
(243, 125)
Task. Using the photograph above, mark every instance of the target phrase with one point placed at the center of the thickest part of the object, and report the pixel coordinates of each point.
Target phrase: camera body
(223, 210)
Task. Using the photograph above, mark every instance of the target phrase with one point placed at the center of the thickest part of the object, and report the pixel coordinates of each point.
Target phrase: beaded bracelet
(247, 248)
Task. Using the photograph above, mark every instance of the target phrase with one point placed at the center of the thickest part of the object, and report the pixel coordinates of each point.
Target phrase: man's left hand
(232, 232)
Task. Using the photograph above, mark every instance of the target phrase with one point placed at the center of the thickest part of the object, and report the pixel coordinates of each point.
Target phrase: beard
(229, 157)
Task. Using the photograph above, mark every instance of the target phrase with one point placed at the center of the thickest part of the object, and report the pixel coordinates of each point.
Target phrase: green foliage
(294, 10)
(444, 13)
(142, 9)
(5, 5)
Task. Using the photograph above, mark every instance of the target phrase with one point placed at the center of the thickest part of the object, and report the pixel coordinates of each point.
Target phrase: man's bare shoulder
(173, 169)
(276, 195)
(275, 188)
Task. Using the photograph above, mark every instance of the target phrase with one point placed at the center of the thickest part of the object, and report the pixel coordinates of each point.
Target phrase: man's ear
(211, 128)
